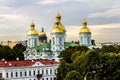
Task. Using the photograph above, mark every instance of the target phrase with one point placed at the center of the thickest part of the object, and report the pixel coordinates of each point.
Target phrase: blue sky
(103, 18)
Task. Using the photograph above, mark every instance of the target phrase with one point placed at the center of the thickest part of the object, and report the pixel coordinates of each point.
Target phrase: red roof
(20, 63)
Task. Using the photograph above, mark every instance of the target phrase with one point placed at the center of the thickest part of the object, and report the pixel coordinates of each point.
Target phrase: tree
(73, 75)
(62, 70)
(84, 61)
(11, 54)
(107, 49)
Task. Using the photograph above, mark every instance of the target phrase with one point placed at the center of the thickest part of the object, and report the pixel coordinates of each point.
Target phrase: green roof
(68, 44)
(43, 47)
(47, 46)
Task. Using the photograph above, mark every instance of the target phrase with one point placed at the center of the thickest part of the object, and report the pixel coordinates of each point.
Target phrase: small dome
(56, 30)
(32, 32)
(42, 34)
(84, 22)
(84, 29)
(32, 24)
(58, 15)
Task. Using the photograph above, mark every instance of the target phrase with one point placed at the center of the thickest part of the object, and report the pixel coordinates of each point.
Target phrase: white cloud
(51, 1)
(114, 12)
(100, 33)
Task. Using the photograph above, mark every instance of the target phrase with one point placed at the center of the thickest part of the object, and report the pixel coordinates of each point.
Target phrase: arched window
(88, 40)
(53, 40)
(60, 40)
(35, 41)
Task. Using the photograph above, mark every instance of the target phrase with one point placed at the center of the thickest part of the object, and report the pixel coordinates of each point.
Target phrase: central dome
(61, 26)
(84, 29)
(56, 30)
(32, 32)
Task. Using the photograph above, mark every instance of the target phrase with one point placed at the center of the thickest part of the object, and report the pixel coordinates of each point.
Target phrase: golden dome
(56, 30)
(58, 15)
(84, 22)
(61, 26)
(32, 32)
(32, 24)
(42, 34)
(57, 21)
(84, 29)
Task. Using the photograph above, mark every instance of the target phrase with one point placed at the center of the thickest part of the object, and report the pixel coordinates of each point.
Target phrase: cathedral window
(53, 41)
(35, 42)
(60, 40)
(81, 38)
(88, 40)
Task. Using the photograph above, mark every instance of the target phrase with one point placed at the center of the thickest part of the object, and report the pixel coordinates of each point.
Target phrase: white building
(47, 50)
(33, 37)
(28, 69)
(85, 35)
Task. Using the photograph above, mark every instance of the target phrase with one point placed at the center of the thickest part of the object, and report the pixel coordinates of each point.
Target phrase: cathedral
(39, 48)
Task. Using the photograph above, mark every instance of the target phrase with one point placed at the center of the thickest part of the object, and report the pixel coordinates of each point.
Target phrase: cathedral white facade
(51, 50)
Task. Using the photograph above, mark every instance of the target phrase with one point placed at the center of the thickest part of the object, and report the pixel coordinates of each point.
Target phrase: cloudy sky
(103, 18)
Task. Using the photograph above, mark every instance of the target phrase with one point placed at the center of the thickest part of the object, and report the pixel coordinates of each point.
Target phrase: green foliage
(105, 62)
(11, 54)
(107, 49)
(66, 54)
(73, 75)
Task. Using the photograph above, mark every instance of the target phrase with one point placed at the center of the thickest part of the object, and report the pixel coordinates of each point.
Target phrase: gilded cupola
(42, 33)
(32, 30)
(58, 26)
(84, 29)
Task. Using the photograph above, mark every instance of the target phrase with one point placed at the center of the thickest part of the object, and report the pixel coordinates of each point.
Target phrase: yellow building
(11, 44)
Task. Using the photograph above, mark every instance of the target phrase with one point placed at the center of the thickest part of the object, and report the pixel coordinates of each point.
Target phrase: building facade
(42, 69)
